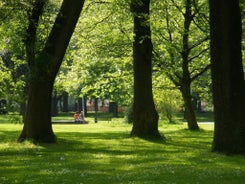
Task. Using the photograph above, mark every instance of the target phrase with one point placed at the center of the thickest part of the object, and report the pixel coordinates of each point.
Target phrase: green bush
(168, 102)
(129, 117)
(16, 119)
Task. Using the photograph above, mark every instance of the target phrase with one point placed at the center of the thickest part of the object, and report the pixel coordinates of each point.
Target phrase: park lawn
(103, 153)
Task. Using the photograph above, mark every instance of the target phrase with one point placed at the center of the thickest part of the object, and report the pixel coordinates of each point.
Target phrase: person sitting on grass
(76, 117)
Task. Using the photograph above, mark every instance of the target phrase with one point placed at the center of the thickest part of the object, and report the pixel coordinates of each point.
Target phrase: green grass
(200, 116)
(104, 153)
(90, 116)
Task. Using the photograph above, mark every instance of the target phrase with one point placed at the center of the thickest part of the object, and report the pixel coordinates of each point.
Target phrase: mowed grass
(103, 153)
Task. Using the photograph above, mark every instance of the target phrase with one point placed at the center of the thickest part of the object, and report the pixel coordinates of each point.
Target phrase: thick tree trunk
(145, 123)
(39, 114)
(227, 77)
(44, 68)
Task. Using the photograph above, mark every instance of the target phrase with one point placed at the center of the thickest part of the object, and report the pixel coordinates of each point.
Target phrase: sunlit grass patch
(104, 153)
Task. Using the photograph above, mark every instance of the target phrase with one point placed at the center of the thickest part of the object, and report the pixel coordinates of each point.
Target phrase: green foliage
(167, 98)
(203, 87)
(98, 62)
(16, 119)
(102, 152)
(13, 118)
(168, 33)
(14, 80)
(128, 114)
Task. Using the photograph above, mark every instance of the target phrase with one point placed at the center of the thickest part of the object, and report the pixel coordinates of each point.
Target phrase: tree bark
(85, 106)
(189, 110)
(37, 125)
(227, 77)
(96, 109)
(145, 123)
(43, 69)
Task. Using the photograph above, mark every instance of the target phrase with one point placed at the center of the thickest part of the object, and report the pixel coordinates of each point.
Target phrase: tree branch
(201, 72)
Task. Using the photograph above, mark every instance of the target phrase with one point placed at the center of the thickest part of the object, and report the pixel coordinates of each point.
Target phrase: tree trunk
(79, 104)
(189, 110)
(186, 79)
(85, 106)
(96, 109)
(54, 104)
(113, 108)
(38, 117)
(65, 102)
(145, 123)
(44, 68)
(227, 77)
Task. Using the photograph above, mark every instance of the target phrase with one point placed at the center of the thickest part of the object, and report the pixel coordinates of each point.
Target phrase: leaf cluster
(99, 56)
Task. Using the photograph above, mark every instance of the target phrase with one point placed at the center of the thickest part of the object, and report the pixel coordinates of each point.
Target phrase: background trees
(98, 63)
(12, 55)
(181, 47)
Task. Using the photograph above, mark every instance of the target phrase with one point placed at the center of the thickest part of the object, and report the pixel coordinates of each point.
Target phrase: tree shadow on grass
(119, 142)
(178, 138)
(99, 157)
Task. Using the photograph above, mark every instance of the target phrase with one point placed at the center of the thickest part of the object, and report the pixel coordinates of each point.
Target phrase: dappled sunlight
(98, 153)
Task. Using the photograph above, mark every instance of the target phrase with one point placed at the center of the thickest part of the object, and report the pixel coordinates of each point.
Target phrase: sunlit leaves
(167, 34)
(167, 97)
(169, 31)
(100, 53)
(13, 26)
